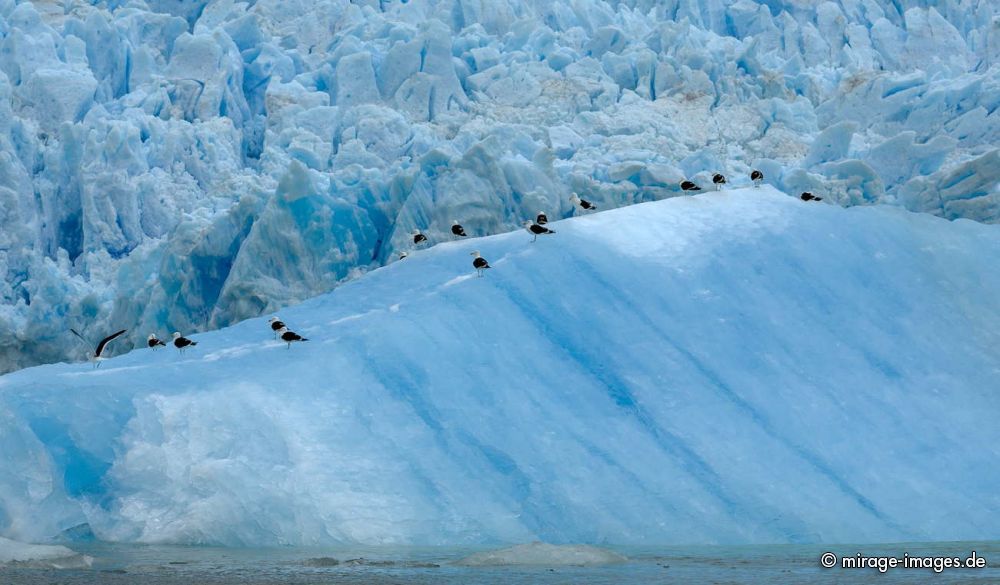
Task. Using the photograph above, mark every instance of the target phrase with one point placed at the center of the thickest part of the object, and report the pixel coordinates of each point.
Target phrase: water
(116, 564)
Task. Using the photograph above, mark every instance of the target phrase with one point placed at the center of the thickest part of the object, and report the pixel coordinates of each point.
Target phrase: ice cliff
(186, 165)
(736, 367)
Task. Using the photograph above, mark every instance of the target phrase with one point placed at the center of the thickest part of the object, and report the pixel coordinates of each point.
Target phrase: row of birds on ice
(535, 228)
(278, 327)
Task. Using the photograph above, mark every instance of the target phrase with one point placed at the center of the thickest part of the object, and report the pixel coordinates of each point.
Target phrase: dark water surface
(117, 564)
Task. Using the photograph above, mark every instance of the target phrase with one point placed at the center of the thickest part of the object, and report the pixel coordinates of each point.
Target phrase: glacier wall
(736, 367)
(184, 165)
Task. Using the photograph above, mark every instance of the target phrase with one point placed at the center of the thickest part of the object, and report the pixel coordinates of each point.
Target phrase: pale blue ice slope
(732, 367)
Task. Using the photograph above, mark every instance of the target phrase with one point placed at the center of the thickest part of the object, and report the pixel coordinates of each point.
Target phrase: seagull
(181, 342)
(583, 203)
(479, 263)
(757, 177)
(153, 342)
(807, 196)
(418, 237)
(276, 324)
(541, 219)
(457, 229)
(536, 230)
(290, 337)
(689, 186)
(719, 179)
(98, 356)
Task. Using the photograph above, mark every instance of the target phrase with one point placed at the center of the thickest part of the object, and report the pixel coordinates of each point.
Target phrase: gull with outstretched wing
(98, 356)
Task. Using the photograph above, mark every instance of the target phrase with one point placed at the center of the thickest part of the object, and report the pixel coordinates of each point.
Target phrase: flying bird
(276, 325)
(457, 229)
(478, 262)
(582, 203)
(757, 177)
(290, 337)
(152, 342)
(719, 179)
(541, 219)
(418, 237)
(182, 342)
(689, 186)
(98, 356)
(536, 230)
(807, 196)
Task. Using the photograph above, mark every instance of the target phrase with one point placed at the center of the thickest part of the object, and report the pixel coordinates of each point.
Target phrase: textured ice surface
(736, 367)
(184, 165)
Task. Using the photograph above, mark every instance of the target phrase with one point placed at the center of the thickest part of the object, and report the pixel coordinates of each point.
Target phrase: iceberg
(40, 555)
(733, 367)
(147, 149)
(542, 554)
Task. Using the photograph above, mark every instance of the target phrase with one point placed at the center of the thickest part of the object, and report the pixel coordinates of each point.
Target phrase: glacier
(733, 367)
(186, 165)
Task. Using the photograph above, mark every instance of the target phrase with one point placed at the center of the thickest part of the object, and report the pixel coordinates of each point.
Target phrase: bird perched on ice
(478, 262)
(719, 179)
(689, 186)
(152, 342)
(457, 229)
(181, 343)
(276, 325)
(98, 356)
(807, 196)
(418, 237)
(582, 203)
(290, 337)
(757, 177)
(541, 218)
(536, 230)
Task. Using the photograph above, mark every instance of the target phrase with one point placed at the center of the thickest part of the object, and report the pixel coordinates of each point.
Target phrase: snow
(146, 147)
(40, 555)
(734, 367)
